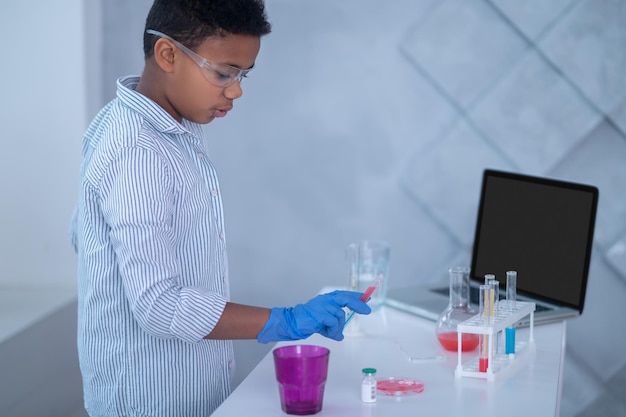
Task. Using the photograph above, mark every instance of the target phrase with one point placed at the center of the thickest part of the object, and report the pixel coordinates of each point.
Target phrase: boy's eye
(222, 75)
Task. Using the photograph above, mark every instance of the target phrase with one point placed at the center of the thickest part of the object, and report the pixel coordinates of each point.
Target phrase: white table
(532, 389)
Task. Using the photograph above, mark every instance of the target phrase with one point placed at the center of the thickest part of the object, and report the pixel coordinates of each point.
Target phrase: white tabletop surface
(388, 338)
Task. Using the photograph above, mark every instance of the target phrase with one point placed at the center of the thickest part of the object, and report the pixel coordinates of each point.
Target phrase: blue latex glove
(322, 314)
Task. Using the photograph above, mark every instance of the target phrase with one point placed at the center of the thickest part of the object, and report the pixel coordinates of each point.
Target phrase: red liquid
(483, 364)
(449, 341)
(368, 293)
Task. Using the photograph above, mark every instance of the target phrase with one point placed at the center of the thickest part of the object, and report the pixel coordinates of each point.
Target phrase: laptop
(540, 227)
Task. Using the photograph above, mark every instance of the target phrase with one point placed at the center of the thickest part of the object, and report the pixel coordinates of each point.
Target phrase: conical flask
(458, 310)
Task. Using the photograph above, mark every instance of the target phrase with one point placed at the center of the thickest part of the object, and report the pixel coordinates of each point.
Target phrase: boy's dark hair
(192, 21)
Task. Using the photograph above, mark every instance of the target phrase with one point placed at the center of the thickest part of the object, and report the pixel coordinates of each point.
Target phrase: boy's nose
(234, 90)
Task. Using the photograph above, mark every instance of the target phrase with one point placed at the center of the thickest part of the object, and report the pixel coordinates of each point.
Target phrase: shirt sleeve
(137, 203)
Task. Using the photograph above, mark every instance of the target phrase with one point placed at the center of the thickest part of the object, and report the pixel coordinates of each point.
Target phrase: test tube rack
(499, 362)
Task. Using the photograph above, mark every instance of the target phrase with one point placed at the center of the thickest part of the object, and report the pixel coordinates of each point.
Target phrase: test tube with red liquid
(366, 295)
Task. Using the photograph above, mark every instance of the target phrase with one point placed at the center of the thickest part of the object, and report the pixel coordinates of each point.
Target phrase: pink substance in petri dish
(398, 386)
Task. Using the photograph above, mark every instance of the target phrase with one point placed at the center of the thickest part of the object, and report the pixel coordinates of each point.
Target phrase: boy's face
(188, 93)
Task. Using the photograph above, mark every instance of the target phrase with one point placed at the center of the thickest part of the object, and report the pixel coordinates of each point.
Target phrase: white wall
(43, 119)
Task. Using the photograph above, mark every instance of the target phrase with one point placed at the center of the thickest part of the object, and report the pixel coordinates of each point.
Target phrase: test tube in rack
(486, 311)
(511, 298)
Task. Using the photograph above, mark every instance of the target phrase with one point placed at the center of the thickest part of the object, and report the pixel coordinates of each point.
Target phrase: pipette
(366, 295)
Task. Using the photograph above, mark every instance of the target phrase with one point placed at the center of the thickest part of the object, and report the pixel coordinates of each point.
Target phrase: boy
(155, 321)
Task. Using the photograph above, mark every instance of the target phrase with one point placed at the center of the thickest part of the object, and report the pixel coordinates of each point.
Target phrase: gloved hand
(322, 314)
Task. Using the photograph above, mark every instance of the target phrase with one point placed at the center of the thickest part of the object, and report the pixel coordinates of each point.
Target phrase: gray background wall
(43, 113)
(374, 119)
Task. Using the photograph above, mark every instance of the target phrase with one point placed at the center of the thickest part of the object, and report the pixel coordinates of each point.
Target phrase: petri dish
(398, 386)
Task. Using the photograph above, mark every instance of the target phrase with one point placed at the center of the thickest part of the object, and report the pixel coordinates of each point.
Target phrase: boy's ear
(164, 55)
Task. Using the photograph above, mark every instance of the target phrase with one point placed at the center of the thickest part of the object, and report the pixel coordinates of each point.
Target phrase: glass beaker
(373, 263)
(352, 260)
(458, 310)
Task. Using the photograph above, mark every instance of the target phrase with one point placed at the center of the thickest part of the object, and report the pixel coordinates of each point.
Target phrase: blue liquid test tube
(511, 296)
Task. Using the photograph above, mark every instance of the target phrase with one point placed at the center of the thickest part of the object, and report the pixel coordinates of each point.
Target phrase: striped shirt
(152, 267)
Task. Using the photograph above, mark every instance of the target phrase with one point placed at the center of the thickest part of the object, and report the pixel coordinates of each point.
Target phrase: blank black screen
(541, 228)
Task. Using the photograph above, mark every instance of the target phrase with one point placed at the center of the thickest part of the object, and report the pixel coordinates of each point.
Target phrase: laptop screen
(539, 227)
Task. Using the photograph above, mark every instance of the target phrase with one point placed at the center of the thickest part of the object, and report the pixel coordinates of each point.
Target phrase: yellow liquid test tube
(487, 313)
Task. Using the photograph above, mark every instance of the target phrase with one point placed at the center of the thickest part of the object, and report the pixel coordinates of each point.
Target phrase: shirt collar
(155, 114)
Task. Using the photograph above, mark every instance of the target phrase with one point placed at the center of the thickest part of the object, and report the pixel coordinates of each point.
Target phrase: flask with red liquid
(458, 311)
